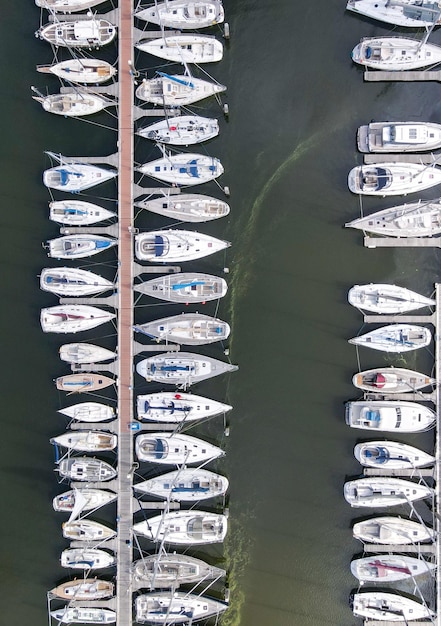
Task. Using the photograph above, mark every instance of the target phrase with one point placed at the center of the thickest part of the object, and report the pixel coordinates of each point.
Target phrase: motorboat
(75, 177)
(389, 606)
(395, 53)
(70, 281)
(391, 455)
(85, 353)
(84, 499)
(185, 485)
(86, 441)
(171, 569)
(389, 568)
(184, 168)
(184, 287)
(184, 48)
(392, 531)
(381, 491)
(83, 615)
(78, 212)
(393, 179)
(79, 70)
(87, 530)
(86, 468)
(175, 449)
(89, 412)
(187, 207)
(416, 219)
(176, 246)
(67, 6)
(399, 137)
(181, 368)
(387, 299)
(176, 90)
(83, 382)
(407, 13)
(184, 528)
(175, 408)
(395, 338)
(177, 607)
(75, 104)
(73, 318)
(387, 380)
(87, 589)
(184, 14)
(79, 246)
(191, 329)
(92, 33)
(389, 416)
(184, 130)
(86, 558)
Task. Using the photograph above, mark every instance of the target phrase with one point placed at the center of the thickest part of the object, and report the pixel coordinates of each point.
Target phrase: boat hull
(399, 137)
(392, 530)
(183, 169)
(395, 338)
(89, 412)
(184, 130)
(395, 53)
(90, 499)
(380, 492)
(409, 14)
(175, 408)
(185, 485)
(78, 212)
(83, 615)
(389, 568)
(75, 177)
(391, 380)
(184, 528)
(176, 90)
(86, 469)
(171, 246)
(174, 449)
(84, 590)
(86, 558)
(391, 455)
(88, 34)
(184, 48)
(187, 207)
(184, 14)
(192, 329)
(389, 416)
(392, 179)
(70, 281)
(185, 287)
(168, 570)
(83, 383)
(81, 71)
(87, 530)
(387, 299)
(175, 608)
(87, 441)
(384, 606)
(182, 368)
(67, 318)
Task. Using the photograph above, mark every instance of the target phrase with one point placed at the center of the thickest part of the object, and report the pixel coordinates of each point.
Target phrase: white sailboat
(70, 281)
(176, 607)
(85, 353)
(389, 530)
(78, 212)
(177, 89)
(83, 615)
(184, 287)
(187, 207)
(387, 380)
(183, 169)
(396, 53)
(181, 368)
(381, 491)
(395, 338)
(176, 246)
(86, 468)
(81, 70)
(174, 407)
(171, 569)
(75, 104)
(184, 130)
(83, 382)
(86, 558)
(393, 179)
(75, 177)
(387, 299)
(87, 530)
(78, 246)
(92, 33)
(184, 48)
(71, 318)
(385, 606)
(175, 449)
(405, 13)
(391, 455)
(188, 528)
(185, 485)
(67, 6)
(75, 501)
(183, 14)
(89, 412)
(86, 441)
(388, 568)
(191, 329)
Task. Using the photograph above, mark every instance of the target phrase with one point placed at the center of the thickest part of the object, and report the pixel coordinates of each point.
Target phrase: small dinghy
(187, 528)
(85, 353)
(86, 558)
(87, 530)
(67, 6)
(389, 568)
(177, 607)
(184, 287)
(171, 407)
(407, 13)
(380, 491)
(181, 368)
(395, 338)
(184, 130)
(185, 48)
(83, 382)
(395, 53)
(385, 606)
(78, 246)
(76, 501)
(86, 468)
(183, 169)
(393, 179)
(83, 615)
(71, 318)
(185, 485)
(416, 219)
(387, 299)
(187, 207)
(75, 177)
(76, 104)
(176, 246)
(78, 212)
(170, 570)
(184, 14)
(86, 441)
(392, 531)
(399, 137)
(389, 416)
(177, 90)
(70, 281)
(387, 380)
(80, 71)
(88, 589)
(89, 412)
(175, 449)
(89, 34)
(391, 455)
(191, 329)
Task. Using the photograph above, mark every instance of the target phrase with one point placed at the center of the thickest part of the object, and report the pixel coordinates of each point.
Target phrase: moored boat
(78, 212)
(85, 353)
(387, 380)
(87, 530)
(187, 207)
(89, 412)
(174, 407)
(387, 299)
(184, 14)
(83, 615)
(174, 449)
(182, 368)
(86, 558)
(88, 589)
(191, 329)
(407, 13)
(77, 500)
(86, 468)
(176, 90)
(86, 441)
(381, 491)
(185, 168)
(184, 48)
(78, 246)
(385, 606)
(170, 570)
(92, 33)
(388, 530)
(176, 607)
(395, 338)
(170, 246)
(184, 528)
(391, 455)
(83, 382)
(71, 281)
(389, 416)
(75, 177)
(184, 130)
(76, 104)
(185, 485)
(86, 71)
(71, 318)
(399, 137)
(393, 178)
(387, 568)
(184, 287)
(67, 6)
(395, 53)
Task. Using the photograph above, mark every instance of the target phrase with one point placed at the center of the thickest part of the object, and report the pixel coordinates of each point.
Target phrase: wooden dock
(402, 242)
(407, 77)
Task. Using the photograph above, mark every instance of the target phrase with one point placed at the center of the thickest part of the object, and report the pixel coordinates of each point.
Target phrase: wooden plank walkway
(425, 159)
(402, 242)
(411, 76)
